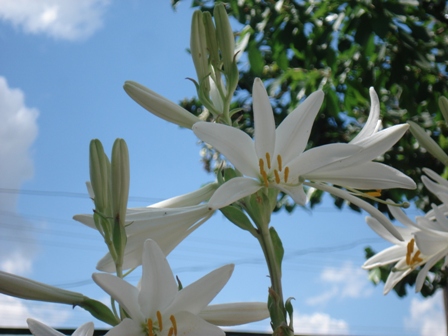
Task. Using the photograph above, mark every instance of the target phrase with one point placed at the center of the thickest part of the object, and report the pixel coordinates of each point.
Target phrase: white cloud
(14, 312)
(427, 315)
(347, 281)
(18, 130)
(319, 323)
(68, 19)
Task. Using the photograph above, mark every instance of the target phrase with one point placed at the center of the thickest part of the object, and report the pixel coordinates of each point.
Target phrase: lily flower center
(152, 328)
(412, 259)
(277, 175)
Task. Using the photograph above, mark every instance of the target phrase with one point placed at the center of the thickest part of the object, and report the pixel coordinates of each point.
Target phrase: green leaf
(237, 217)
(100, 311)
(256, 60)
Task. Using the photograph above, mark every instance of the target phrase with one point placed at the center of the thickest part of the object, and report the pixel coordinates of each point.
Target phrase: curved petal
(319, 158)
(123, 292)
(191, 325)
(127, 327)
(230, 314)
(195, 297)
(436, 177)
(435, 188)
(370, 175)
(264, 123)
(295, 192)
(430, 244)
(86, 329)
(39, 329)
(385, 257)
(380, 230)
(293, 133)
(233, 143)
(372, 121)
(192, 198)
(376, 145)
(158, 286)
(374, 212)
(399, 215)
(395, 276)
(424, 271)
(232, 191)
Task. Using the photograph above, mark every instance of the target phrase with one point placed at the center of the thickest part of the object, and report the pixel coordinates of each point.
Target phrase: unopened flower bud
(159, 105)
(99, 175)
(428, 143)
(198, 49)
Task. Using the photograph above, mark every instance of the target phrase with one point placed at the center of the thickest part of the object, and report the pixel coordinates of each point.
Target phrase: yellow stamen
(265, 178)
(286, 173)
(171, 332)
(376, 193)
(277, 177)
(416, 258)
(410, 249)
(159, 319)
(268, 160)
(261, 165)
(149, 324)
(173, 321)
(279, 162)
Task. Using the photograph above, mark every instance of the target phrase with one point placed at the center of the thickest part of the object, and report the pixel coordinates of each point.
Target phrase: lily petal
(232, 191)
(371, 125)
(158, 286)
(234, 144)
(127, 327)
(123, 292)
(263, 121)
(195, 297)
(293, 133)
(192, 325)
(39, 329)
(385, 257)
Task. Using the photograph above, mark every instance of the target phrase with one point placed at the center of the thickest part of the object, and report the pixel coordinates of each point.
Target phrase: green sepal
(100, 311)
(278, 247)
(238, 217)
(229, 173)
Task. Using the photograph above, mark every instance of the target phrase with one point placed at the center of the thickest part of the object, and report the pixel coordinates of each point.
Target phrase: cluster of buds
(212, 47)
(109, 189)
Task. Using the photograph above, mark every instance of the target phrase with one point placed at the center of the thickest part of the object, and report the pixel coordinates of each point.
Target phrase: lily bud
(198, 49)
(212, 42)
(99, 175)
(120, 194)
(20, 287)
(159, 105)
(443, 104)
(428, 143)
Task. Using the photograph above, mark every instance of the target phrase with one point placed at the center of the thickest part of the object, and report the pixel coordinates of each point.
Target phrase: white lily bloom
(404, 253)
(158, 308)
(277, 157)
(167, 222)
(39, 329)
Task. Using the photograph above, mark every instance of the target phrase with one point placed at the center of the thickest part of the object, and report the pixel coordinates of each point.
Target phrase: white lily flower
(404, 253)
(167, 222)
(158, 308)
(277, 157)
(39, 329)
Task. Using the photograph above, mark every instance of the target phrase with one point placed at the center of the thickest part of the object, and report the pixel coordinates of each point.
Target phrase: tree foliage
(399, 47)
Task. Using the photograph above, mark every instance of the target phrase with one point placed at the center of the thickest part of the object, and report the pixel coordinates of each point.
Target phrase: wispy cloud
(68, 19)
(18, 130)
(347, 281)
(319, 323)
(426, 315)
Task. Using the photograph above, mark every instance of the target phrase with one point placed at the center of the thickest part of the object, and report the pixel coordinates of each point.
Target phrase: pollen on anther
(261, 165)
(149, 324)
(265, 178)
(268, 160)
(279, 162)
(159, 319)
(173, 321)
(286, 174)
(277, 176)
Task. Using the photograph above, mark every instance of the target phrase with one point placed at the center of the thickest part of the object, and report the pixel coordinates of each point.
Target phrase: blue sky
(62, 67)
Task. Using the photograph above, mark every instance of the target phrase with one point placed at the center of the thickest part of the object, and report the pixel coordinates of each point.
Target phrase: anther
(159, 319)
(416, 258)
(279, 162)
(149, 324)
(286, 174)
(171, 332)
(277, 177)
(376, 193)
(261, 165)
(268, 160)
(173, 321)
(265, 178)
